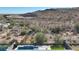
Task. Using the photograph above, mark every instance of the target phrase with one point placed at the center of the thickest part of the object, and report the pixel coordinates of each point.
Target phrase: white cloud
(39, 3)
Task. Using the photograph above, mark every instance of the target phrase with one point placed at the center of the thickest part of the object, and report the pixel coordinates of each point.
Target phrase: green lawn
(57, 47)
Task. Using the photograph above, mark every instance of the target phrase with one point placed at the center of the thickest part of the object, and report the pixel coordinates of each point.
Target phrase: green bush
(40, 38)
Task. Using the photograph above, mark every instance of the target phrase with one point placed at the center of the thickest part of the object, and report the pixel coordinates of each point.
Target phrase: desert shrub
(10, 27)
(23, 33)
(36, 29)
(58, 39)
(76, 28)
(21, 24)
(57, 30)
(40, 38)
(45, 31)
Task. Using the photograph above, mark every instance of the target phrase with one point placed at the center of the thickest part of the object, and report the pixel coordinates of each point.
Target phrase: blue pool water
(27, 48)
(3, 48)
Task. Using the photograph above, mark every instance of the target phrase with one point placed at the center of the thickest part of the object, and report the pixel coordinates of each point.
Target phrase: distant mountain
(28, 15)
(54, 13)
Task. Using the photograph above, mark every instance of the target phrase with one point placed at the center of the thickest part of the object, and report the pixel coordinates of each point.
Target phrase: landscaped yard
(57, 47)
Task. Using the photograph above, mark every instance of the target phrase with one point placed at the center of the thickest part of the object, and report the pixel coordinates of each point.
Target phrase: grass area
(57, 47)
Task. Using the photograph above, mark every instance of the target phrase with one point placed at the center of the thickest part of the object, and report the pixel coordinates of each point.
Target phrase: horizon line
(39, 9)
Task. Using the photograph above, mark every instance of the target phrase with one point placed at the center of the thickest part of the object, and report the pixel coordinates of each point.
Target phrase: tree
(40, 38)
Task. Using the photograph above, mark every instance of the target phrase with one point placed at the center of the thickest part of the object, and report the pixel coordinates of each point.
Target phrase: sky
(18, 6)
(19, 10)
(39, 3)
